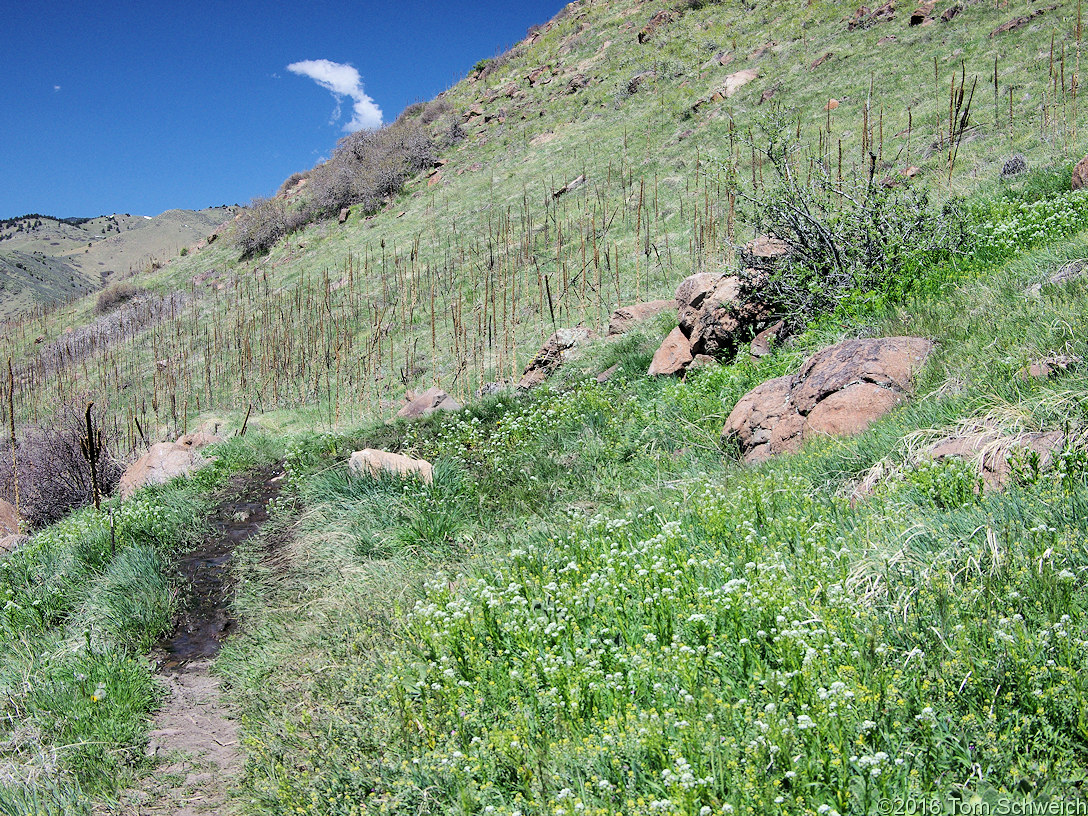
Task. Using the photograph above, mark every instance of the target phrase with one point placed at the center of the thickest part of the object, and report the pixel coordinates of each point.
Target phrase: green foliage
(855, 244)
(80, 606)
(949, 483)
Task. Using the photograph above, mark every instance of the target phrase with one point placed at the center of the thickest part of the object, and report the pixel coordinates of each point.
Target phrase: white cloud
(342, 80)
(56, 88)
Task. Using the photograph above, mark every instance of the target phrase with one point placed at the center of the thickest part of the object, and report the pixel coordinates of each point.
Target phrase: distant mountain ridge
(45, 259)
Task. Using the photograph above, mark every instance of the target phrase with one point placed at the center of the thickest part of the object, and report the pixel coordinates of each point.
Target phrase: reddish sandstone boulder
(673, 356)
(1080, 174)
(764, 423)
(839, 391)
(550, 356)
(431, 400)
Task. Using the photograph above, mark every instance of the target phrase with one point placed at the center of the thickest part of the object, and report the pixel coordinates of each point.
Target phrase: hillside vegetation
(45, 261)
(597, 606)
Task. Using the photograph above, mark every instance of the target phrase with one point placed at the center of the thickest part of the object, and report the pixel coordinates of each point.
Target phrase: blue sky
(141, 107)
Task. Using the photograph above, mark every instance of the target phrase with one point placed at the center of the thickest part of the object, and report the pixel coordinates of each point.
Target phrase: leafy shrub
(949, 484)
(851, 241)
(114, 295)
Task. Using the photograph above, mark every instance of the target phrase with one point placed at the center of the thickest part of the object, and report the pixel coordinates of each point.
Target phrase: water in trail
(193, 732)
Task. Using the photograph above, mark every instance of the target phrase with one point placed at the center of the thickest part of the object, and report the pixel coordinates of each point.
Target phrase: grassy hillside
(74, 256)
(453, 291)
(596, 607)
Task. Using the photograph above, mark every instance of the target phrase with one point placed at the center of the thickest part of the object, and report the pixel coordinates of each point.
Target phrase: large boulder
(764, 422)
(163, 462)
(550, 356)
(373, 463)
(839, 391)
(626, 318)
(9, 519)
(673, 356)
(431, 400)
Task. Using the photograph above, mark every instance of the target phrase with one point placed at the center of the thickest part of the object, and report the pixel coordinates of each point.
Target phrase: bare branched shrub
(851, 240)
(290, 183)
(434, 110)
(114, 295)
(262, 223)
(54, 476)
(370, 165)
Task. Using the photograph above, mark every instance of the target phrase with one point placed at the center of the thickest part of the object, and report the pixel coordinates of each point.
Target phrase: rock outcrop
(550, 356)
(993, 453)
(373, 463)
(839, 391)
(673, 356)
(166, 461)
(715, 313)
(626, 318)
(431, 400)
(1080, 174)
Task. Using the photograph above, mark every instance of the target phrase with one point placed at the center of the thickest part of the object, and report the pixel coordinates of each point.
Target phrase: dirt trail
(193, 732)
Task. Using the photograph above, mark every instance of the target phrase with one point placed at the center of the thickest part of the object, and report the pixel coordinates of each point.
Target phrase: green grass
(623, 617)
(82, 604)
(582, 614)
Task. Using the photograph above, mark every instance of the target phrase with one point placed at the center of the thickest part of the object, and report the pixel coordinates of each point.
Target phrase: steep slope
(449, 284)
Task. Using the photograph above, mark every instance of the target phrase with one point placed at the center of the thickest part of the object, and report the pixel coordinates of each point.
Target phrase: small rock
(9, 544)
(550, 356)
(701, 362)
(606, 375)
(949, 13)
(490, 389)
(1080, 174)
(570, 186)
(374, 463)
(673, 356)
(1048, 367)
(1071, 270)
(636, 81)
(9, 519)
(761, 344)
(1014, 166)
(764, 252)
(662, 18)
(922, 13)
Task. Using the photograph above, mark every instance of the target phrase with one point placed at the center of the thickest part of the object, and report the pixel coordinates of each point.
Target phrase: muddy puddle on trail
(204, 575)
